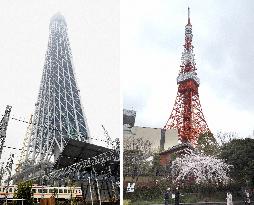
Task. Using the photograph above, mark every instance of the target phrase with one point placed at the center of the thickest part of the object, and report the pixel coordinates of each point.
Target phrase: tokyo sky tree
(58, 113)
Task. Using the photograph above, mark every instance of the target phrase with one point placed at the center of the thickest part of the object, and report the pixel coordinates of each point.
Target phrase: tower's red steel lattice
(187, 116)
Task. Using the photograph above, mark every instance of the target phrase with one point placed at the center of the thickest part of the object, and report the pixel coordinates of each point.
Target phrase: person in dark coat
(166, 196)
(177, 196)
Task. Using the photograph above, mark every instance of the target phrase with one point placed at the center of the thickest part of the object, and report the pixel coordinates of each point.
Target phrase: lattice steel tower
(187, 115)
(58, 114)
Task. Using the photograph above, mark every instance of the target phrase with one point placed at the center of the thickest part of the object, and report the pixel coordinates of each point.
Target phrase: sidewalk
(209, 203)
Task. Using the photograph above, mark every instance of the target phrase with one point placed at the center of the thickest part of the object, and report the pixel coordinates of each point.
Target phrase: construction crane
(108, 138)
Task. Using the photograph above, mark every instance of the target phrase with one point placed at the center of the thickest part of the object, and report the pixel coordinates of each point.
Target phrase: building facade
(160, 139)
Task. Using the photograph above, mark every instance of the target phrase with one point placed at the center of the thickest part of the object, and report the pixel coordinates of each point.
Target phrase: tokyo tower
(187, 115)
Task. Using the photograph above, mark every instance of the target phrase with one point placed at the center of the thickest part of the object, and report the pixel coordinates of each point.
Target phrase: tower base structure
(176, 151)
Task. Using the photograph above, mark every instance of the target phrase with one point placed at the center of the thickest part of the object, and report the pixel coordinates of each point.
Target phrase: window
(54, 190)
(45, 191)
(34, 190)
(60, 191)
(10, 189)
(39, 191)
(65, 190)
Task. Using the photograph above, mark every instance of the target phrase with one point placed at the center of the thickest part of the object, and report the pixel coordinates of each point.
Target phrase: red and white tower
(187, 116)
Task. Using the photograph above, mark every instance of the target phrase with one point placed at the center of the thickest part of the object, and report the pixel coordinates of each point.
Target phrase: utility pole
(3, 128)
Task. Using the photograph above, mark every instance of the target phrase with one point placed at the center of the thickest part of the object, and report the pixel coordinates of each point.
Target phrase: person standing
(177, 196)
(166, 197)
(229, 199)
(247, 197)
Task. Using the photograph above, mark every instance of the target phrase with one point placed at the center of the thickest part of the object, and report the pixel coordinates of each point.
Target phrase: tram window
(34, 190)
(51, 190)
(0, 189)
(65, 190)
(69, 191)
(45, 191)
(79, 191)
(10, 189)
(60, 191)
(39, 191)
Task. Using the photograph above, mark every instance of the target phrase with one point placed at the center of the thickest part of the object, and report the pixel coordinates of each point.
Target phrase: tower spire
(188, 15)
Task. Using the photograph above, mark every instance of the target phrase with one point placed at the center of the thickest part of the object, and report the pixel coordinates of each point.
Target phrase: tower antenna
(188, 15)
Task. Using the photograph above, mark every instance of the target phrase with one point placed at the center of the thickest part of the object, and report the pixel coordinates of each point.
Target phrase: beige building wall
(155, 135)
(151, 134)
(171, 138)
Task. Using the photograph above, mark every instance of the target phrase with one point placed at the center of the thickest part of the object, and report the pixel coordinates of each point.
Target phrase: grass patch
(126, 202)
(143, 202)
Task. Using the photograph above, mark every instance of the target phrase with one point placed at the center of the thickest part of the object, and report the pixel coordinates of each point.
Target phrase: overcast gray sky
(93, 29)
(152, 38)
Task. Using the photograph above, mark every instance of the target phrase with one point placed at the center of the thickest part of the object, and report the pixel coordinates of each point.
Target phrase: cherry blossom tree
(136, 156)
(200, 169)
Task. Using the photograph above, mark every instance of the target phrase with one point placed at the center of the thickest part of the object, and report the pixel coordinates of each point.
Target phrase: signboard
(130, 187)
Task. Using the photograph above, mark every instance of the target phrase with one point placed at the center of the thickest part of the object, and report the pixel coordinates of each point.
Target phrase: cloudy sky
(152, 38)
(93, 29)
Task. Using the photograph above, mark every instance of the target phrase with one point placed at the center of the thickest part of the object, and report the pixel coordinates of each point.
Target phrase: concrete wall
(160, 139)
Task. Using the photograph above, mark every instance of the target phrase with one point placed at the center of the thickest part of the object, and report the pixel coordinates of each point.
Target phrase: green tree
(155, 169)
(239, 153)
(207, 144)
(24, 191)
